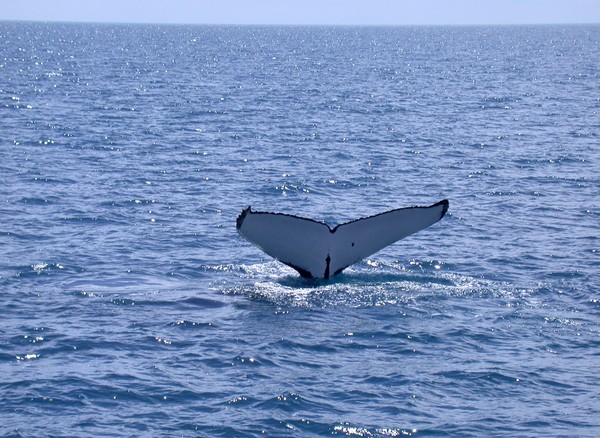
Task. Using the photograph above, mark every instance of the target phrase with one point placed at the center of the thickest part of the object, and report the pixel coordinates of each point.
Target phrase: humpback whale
(316, 250)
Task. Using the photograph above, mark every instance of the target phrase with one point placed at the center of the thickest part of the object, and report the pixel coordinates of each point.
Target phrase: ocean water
(130, 306)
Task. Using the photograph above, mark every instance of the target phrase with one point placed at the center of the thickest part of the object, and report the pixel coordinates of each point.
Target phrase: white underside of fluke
(317, 251)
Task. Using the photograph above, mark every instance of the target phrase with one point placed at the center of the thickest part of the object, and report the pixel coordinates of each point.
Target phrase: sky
(319, 12)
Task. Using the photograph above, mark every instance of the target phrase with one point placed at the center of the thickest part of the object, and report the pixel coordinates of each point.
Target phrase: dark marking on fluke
(315, 249)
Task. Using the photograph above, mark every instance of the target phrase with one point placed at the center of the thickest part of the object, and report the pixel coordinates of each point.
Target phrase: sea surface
(130, 306)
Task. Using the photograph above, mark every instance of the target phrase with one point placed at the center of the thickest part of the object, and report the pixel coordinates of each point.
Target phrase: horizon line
(183, 23)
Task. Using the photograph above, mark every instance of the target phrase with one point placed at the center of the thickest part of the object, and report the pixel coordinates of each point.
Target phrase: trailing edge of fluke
(316, 250)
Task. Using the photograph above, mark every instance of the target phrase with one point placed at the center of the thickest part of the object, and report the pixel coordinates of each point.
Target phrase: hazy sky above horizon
(361, 12)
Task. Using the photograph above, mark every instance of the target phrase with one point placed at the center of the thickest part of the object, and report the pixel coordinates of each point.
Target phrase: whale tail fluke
(317, 251)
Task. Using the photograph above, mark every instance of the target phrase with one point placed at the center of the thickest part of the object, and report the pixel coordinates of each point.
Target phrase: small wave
(39, 268)
(119, 283)
(348, 429)
(290, 401)
(44, 267)
(192, 324)
(35, 200)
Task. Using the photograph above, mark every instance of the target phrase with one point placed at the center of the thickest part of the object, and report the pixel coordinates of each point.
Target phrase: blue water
(131, 307)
